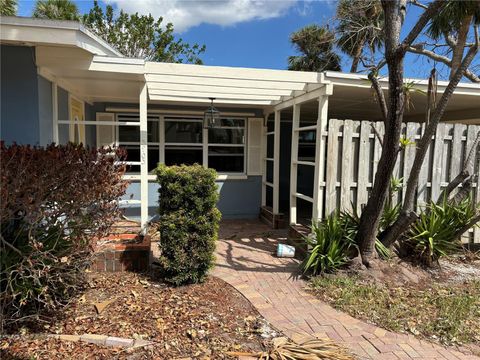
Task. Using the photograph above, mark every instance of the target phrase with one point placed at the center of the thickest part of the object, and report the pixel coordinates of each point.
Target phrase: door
(77, 118)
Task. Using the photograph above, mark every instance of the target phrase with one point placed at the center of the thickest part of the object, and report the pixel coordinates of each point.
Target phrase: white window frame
(204, 145)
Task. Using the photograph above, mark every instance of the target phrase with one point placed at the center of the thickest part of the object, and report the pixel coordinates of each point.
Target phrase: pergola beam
(205, 100)
(214, 88)
(215, 94)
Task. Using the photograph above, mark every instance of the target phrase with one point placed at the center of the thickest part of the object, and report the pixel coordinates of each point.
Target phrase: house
(60, 82)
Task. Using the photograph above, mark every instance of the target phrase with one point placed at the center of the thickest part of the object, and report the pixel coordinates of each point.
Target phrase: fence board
(457, 150)
(363, 168)
(347, 157)
(422, 188)
(438, 149)
(332, 166)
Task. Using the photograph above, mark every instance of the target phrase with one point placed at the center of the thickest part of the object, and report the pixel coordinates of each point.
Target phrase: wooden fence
(353, 152)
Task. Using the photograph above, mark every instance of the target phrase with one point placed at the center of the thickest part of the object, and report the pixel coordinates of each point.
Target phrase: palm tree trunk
(357, 55)
(460, 45)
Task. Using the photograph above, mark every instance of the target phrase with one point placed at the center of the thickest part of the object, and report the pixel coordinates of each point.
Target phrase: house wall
(19, 96)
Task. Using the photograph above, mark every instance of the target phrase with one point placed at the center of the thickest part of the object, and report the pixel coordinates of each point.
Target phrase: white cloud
(185, 14)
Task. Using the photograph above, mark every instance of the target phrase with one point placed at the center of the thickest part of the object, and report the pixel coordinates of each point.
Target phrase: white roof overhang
(31, 31)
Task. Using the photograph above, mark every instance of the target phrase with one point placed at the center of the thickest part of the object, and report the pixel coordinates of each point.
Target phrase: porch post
(264, 161)
(55, 112)
(319, 175)
(294, 164)
(276, 163)
(143, 156)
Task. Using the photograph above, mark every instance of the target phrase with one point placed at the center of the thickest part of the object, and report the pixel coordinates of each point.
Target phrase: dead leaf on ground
(99, 307)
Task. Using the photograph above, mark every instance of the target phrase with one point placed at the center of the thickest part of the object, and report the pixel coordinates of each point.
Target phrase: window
(226, 146)
(186, 142)
(222, 150)
(129, 138)
(183, 141)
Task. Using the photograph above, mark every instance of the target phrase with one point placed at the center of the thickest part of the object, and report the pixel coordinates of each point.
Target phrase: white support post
(276, 163)
(294, 164)
(55, 112)
(162, 139)
(264, 162)
(143, 157)
(322, 125)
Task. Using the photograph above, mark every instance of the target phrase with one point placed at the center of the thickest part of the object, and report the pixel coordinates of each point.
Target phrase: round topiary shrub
(188, 222)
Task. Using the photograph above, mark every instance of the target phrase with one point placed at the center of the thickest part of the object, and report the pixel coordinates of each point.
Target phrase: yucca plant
(436, 233)
(328, 244)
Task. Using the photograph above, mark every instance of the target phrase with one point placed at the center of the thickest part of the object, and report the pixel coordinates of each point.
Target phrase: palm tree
(315, 43)
(360, 24)
(8, 7)
(453, 23)
(56, 9)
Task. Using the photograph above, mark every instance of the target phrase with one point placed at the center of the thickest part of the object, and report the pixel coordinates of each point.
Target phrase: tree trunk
(367, 230)
(357, 55)
(459, 47)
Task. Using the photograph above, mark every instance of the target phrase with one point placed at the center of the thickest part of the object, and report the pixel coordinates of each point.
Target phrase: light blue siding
(19, 96)
(45, 114)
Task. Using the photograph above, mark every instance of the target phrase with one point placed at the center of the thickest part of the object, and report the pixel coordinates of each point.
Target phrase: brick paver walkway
(245, 260)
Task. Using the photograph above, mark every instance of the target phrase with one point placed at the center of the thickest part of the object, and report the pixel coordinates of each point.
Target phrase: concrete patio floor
(245, 259)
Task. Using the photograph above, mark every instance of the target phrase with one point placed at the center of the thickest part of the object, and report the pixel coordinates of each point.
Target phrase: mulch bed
(198, 321)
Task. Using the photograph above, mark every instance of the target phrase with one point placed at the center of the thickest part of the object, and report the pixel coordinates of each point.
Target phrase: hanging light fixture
(211, 116)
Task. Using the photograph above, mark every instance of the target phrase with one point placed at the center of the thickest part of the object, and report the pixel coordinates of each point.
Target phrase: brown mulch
(200, 321)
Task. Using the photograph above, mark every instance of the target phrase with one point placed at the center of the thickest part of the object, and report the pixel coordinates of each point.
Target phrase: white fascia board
(361, 80)
(153, 68)
(53, 32)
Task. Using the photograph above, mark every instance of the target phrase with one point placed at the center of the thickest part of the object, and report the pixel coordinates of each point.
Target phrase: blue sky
(239, 35)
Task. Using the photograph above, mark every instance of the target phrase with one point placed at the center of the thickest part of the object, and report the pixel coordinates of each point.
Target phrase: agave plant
(436, 233)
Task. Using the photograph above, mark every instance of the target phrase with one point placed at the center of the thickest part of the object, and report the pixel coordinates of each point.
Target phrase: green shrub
(54, 202)
(188, 222)
(436, 233)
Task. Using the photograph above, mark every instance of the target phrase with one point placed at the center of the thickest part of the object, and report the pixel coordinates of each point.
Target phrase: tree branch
(380, 95)
(432, 9)
(443, 59)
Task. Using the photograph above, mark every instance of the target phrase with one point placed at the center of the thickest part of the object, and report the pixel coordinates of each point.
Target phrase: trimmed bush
(54, 202)
(188, 222)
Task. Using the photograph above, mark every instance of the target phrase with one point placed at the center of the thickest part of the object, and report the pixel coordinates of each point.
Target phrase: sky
(244, 33)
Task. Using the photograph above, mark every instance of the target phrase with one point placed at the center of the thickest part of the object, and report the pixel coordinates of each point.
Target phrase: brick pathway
(245, 260)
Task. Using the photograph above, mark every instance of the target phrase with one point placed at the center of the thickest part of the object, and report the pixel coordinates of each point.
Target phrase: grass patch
(449, 314)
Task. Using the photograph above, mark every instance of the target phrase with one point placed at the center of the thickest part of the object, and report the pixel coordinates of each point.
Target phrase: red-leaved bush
(54, 202)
